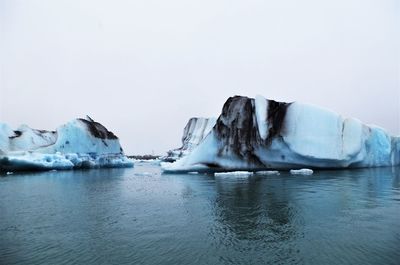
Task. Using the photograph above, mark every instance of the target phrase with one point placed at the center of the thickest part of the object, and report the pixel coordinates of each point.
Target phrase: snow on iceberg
(81, 143)
(193, 133)
(261, 134)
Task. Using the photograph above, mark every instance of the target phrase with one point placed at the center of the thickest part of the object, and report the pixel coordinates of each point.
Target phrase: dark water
(127, 216)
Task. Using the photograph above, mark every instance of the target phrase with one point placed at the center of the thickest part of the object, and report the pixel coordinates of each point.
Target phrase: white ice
(303, 171)
(267, 172)
(315, 132)
(20, 160)
(234, 173)
(261, 106)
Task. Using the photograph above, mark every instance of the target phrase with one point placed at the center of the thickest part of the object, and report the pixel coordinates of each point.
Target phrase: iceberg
(260, 134)
(81, 143)
(193, 133)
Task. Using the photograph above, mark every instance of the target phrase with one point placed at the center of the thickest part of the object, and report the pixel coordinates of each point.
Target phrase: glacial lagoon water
(140, 216)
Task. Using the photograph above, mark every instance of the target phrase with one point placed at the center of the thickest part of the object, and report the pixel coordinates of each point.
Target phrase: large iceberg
(193, 133)
(261, 134)
(81, 143)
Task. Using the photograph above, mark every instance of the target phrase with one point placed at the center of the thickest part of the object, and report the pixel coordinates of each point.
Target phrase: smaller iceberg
(193, 133)
(81, 143)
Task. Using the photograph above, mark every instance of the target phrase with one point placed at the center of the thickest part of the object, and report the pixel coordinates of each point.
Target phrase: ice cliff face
(195, 131)
(258, 133)
(81, 143)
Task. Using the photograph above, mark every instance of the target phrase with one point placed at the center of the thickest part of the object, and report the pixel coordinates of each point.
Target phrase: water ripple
(139, 216)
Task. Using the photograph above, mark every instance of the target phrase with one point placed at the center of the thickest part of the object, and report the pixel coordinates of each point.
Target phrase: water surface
(140, 216)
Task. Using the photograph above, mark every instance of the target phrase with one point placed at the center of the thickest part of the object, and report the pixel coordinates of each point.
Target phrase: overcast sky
(143, 68)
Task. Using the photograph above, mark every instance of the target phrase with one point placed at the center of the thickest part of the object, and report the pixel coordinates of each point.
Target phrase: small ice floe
(147, 161)
(303, 171)
(10, 173)
(144, 174)
(234, 173)
(267, 172)
(193, 172)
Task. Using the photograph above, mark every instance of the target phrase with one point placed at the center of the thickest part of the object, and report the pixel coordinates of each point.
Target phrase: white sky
(143, 68)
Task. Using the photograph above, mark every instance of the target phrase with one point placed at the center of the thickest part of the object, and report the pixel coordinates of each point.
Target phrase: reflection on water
(262, 217)
(328, 218)
(140, 216)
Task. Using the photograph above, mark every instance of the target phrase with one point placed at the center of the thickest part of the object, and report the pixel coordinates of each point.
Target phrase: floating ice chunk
(182, 167)
(144, 174)
(9, 173)
(303, 171)
(193, 173)
(147, 161)
(234, 173)
(267, 172)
